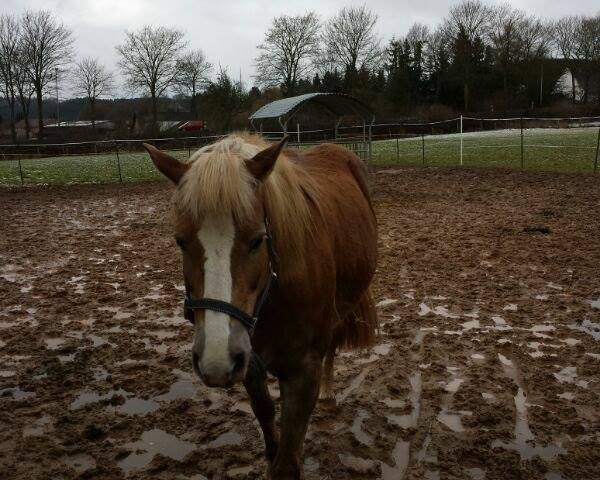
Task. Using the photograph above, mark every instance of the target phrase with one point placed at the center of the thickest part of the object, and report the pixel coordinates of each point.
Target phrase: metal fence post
(21, 170)
(397, 151)
(118, 162)
(522, 155)
(370, 141)
(597, 151)
(461, 139)
(423, 148)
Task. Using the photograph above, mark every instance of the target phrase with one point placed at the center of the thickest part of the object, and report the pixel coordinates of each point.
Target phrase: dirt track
(488, 364)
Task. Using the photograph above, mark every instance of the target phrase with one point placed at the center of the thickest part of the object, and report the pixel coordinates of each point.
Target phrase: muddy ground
(487, 367)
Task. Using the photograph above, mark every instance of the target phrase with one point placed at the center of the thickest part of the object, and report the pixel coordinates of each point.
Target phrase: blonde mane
(218, 182)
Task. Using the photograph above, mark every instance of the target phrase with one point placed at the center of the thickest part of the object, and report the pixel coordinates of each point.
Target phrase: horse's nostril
(239, 361)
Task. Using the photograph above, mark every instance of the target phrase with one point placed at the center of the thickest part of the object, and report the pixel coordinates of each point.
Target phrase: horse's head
(219, 223)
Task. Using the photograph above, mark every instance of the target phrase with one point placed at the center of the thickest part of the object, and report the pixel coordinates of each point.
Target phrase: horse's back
(348, 217)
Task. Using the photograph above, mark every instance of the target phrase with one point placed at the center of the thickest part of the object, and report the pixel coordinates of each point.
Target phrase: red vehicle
(192, 126)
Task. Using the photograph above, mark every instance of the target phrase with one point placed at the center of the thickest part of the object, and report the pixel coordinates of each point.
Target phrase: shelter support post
(336, 128)
(284, 125)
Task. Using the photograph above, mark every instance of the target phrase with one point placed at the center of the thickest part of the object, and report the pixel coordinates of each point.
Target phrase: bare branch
(288, 52)
(46, 48)
(149, 60)
(471, 17)
(350, 40)
(193, 72)
(92, 80)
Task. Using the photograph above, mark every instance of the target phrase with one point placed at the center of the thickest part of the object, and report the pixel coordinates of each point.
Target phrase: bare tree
(534, 38)
(437, 59)
(25, 91)
(578, 41)
(471, 17)
(92, 80)
(466, 24)
(287, 53)
(47, 46)
(418, 35)
(9, 55)
(350, 40)
(588, 51)
(193, 71)
(564, 32)
(504, 36)
(149, 59)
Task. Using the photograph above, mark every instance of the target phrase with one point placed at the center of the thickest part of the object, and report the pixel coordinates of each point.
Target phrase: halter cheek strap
(249, 321)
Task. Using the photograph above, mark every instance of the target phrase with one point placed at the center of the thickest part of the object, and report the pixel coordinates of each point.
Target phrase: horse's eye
(256, 243)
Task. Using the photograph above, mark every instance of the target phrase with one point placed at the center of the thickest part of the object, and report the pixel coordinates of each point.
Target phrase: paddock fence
(553, 144)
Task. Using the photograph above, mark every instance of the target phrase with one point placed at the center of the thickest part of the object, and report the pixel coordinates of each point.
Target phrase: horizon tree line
(36, 47)
(479, 56)
(497, 54)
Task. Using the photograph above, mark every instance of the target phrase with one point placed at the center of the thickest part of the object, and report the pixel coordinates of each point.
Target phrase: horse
(279, 249)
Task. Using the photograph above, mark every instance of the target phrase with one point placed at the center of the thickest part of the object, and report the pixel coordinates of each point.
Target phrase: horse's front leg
(299, 392)
(262, 406)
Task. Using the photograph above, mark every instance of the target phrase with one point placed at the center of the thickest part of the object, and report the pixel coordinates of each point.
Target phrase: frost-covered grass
(543, 149)
(73, 169)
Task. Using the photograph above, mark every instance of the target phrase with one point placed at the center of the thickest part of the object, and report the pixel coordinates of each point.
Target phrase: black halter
(249, 321)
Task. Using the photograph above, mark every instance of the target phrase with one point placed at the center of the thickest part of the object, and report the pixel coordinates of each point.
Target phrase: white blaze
(216, 236)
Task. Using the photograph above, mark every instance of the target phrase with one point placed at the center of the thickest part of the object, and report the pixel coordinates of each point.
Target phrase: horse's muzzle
(220, 377)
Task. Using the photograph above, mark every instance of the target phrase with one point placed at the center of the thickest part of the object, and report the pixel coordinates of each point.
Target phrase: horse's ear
(263, 162)
(170, 167)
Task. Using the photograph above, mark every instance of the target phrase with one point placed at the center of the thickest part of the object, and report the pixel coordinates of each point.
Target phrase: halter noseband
(249, 321)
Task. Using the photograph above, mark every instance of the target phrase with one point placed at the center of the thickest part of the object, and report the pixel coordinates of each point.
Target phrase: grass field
(75, 169)
(571, 150)
(543, 149)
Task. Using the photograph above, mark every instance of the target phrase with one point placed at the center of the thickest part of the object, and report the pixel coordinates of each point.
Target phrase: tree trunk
(40, 113)
(154, 114)
(438, 88)
(26, 107)
(13, 129)
(93, 112)
(193, 109)
(506, 95)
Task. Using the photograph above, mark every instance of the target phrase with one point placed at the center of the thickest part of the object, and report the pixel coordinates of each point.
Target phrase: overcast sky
(229, 30)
